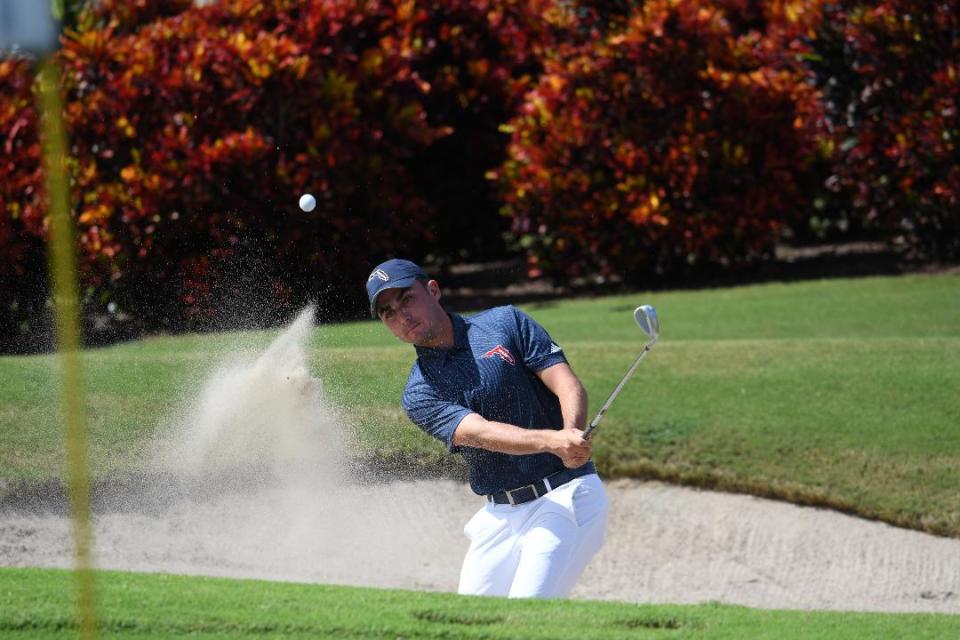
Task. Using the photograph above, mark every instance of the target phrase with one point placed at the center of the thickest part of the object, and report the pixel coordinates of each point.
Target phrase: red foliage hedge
(22, 223)
(694, 133)
(685, 138)
(194, 136)
(662, 137)
(891, 76)
(195, 130)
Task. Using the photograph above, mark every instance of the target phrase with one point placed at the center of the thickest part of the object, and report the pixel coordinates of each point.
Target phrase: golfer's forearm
(564, 383)
(475, 431)
(573, 405)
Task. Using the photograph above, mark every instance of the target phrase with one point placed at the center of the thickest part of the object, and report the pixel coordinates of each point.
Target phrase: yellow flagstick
(63, 269)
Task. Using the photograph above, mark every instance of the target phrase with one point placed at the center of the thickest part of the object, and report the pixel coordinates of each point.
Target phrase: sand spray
(261, 419)
(250, 476)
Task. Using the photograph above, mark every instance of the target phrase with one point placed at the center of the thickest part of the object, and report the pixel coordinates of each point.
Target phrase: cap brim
(401, 283)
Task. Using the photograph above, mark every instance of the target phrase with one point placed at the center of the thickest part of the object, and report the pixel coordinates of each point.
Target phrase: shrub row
(195, 129)
(685, 137)
(635, 139)
(695, 134)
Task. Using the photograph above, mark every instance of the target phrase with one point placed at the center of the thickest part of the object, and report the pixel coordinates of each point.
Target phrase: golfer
(496, 389)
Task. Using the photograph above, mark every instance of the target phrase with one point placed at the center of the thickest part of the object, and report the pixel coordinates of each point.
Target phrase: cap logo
(379, 273)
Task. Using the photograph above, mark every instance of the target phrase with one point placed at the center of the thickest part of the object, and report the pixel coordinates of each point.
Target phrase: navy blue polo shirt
(490, 370)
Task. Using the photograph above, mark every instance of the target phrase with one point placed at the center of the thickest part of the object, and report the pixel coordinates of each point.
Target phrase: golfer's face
(411, 314)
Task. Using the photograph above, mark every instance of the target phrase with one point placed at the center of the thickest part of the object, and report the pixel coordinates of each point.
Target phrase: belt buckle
(532, 487)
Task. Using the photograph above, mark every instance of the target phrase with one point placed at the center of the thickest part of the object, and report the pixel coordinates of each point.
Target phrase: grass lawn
(840, 392)
(37, 603)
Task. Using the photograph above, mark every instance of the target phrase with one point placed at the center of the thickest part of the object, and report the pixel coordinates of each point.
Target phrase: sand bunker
(665, 544)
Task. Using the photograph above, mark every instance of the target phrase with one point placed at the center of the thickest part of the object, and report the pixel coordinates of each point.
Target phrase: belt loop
(510, 499)
(546, 483)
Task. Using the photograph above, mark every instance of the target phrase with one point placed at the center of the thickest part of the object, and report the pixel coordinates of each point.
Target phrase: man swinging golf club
(495, 388)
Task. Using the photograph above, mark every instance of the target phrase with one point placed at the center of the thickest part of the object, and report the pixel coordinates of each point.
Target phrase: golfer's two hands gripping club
(570, 445)
(646, 317)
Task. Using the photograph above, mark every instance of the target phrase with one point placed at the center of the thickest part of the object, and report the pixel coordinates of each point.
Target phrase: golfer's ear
(434, 288)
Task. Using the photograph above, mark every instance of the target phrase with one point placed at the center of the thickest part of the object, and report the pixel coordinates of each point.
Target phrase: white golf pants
(537, 549)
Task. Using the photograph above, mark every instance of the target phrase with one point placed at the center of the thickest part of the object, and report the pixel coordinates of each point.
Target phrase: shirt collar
(459, 340)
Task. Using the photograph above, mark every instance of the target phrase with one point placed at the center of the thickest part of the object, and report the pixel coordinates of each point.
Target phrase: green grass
(840, 393)
(37, 603)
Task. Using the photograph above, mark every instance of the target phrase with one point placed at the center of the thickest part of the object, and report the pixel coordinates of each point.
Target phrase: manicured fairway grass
(839, 392)
(37, 603)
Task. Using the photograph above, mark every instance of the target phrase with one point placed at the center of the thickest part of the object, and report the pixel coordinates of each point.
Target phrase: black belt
(539, 488)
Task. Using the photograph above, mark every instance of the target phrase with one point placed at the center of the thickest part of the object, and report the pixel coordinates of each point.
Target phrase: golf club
(646, 317)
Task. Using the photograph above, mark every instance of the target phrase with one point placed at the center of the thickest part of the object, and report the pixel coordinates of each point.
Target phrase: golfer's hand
(570, 446)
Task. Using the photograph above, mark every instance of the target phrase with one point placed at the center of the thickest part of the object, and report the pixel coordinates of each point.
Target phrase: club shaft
(616, 391)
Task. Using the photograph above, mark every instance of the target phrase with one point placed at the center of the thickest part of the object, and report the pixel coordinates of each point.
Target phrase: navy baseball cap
(392, 274)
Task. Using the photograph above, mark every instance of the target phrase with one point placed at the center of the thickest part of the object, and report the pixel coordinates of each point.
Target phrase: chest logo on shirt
(501, 352)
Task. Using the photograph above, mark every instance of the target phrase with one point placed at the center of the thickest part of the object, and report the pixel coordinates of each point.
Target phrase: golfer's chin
(422, 336)
(416, 334)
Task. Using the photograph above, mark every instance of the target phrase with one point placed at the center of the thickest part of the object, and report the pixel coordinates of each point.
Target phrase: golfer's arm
(564, 383)
(478, 432)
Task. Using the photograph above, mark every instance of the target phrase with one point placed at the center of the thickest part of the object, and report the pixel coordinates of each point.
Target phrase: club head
(646, 317)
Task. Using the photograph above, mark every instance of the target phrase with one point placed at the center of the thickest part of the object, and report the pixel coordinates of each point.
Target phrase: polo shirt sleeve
(539, 351)
(434, 415)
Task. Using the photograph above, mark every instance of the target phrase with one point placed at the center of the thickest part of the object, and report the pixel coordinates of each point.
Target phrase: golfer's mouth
(411, 328)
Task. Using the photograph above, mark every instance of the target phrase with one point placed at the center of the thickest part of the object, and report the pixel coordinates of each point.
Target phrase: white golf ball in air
(307, 202)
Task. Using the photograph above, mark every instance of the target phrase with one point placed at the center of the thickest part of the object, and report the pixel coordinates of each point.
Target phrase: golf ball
(307, 202)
